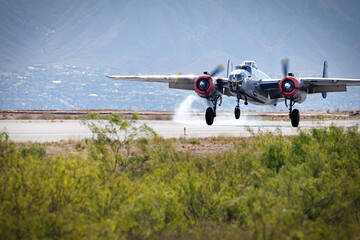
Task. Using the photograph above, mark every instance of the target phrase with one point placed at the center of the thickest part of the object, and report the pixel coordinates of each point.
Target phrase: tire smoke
(191, 111)
(188, 112)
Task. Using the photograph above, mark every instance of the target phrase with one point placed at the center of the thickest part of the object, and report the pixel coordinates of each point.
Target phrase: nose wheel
(293, 114)
(237, 112)
(237, 108)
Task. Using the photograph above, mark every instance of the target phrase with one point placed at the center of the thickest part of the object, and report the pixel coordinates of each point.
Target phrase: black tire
(295, 118)
(209, 116)
(237, 113)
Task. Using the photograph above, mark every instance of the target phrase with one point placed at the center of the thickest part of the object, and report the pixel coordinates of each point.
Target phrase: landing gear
(210, 113)
(237, 108)
(209, 116)
(293, 114)
(246, 102)
(237, 112)
(295, 118)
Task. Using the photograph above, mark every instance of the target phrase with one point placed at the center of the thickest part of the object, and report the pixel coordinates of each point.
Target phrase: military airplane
(246, 82)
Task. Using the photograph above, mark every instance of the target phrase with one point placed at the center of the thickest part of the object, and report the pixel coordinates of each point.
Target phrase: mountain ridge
(154, 36)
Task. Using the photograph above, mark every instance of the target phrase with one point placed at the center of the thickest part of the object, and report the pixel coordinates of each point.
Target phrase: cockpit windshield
(247, 68)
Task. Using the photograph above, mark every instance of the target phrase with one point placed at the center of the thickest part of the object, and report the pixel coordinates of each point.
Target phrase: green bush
(135, 116)
(274, 187)
(194, 141)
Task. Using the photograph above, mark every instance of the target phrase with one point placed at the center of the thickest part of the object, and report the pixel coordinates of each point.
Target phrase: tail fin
(325, 71)
(229, 67)
(325, 75)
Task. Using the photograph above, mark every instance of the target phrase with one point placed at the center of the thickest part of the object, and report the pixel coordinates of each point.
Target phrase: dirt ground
(162, 115)
(79, 114)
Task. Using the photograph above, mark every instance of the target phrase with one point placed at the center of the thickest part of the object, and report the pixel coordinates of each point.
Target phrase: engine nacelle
(204, 86)
(290, 87)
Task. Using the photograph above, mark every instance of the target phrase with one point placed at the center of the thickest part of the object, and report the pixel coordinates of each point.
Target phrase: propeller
(289, 84)
(285, 65)
(218, 69)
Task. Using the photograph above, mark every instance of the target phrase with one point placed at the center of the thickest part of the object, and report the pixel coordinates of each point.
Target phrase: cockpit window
(247, 68)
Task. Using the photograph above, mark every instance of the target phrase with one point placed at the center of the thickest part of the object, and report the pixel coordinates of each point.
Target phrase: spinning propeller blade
(285, 65)
(218, 69)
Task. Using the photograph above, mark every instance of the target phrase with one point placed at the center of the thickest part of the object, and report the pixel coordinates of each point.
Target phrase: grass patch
(193, 141)
(271, 187)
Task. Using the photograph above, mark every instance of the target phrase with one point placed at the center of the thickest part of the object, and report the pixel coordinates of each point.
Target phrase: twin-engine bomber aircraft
(250, 84)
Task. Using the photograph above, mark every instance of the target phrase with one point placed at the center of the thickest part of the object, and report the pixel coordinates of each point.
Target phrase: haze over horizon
(160, 36)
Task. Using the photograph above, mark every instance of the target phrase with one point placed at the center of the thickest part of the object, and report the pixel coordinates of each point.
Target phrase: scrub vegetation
(142, 187)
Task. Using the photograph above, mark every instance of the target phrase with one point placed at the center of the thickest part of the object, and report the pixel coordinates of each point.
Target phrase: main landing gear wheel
(293, 114)
(211, 112)
(295, 118)
(237, 112)
(209, 116)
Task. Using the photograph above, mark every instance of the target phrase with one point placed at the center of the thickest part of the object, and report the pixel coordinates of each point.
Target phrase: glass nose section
(241, 77)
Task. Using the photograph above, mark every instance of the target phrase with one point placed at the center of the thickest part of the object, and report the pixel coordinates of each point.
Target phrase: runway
(48, 131)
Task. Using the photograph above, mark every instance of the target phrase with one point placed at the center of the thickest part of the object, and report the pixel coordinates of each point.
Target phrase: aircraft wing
(314, 85)
(317, 85)
(271, 84)
(272, 87)
(175, 81)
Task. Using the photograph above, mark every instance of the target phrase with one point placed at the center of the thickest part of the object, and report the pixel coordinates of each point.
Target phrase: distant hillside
(188, 36)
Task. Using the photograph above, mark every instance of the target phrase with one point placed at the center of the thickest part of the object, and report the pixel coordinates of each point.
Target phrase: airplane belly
(254, 94)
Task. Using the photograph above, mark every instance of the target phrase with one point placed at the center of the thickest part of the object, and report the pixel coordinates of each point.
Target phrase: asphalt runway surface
(48, 131)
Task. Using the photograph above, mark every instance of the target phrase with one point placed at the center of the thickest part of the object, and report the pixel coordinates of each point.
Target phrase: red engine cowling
(288, 86)
(204, 85)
